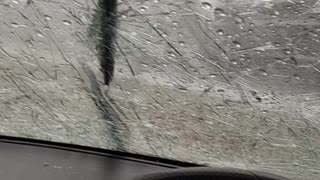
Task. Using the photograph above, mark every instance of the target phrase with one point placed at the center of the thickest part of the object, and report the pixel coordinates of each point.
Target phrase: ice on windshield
(225, 83)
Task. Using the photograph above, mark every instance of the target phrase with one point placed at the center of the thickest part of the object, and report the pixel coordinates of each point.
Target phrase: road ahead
(217, 82)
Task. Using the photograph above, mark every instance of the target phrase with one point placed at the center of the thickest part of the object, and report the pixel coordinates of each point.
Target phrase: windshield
(225, 83)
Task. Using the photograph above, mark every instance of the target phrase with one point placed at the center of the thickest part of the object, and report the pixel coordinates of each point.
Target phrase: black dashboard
(37, 160)
(28, 159)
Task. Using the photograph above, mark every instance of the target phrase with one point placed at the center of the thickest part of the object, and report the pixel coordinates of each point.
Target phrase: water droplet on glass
(206, 5)
(143, 8)
(220, 12)
(16, 1)
(42, 59)
(171, 55)
(287, 52)
(133, 33)
(271, 24)
(183, 89)
(237, 44)
(238, 20)
(14, 24)
(39, 34)
(234, 62)
(263, 72)
(220, 32)
(46, 28)
(66, 22)
(175, 23)
(181, 43)
(145, 65)
(220, 106)
(220, 90)
(48, 18)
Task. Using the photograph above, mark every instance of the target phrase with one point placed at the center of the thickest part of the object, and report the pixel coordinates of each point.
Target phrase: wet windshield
(225, 83)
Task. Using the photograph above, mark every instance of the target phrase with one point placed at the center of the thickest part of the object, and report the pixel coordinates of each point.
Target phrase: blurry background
(218, 82)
